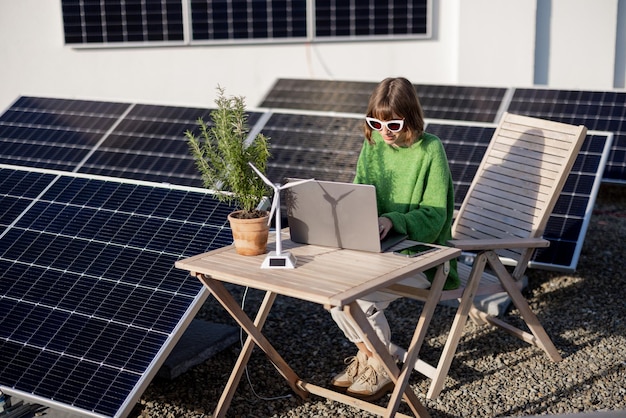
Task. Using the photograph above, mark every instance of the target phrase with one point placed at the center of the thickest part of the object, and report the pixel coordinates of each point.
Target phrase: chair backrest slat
(519, 179)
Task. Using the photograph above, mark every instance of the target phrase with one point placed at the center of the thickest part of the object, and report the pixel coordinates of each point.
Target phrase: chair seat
(489, 284)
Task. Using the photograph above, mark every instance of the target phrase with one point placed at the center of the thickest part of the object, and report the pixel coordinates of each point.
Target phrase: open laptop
(335, 214)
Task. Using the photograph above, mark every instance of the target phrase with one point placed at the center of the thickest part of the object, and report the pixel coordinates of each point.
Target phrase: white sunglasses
(395, 125)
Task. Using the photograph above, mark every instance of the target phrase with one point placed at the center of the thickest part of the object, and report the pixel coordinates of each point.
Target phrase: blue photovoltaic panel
(597, 110)
(116, 21)
(569, 220)
(377, 18)
(18, 189)
(132, 141)
(90, 297)
(463, 103)
(241, 19)
(309, 146)
(149, 144)
(566, 228)
(54, 133)
(321, 95)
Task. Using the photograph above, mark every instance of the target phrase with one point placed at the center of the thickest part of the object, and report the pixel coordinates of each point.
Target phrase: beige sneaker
(373, 383)
(356, 365)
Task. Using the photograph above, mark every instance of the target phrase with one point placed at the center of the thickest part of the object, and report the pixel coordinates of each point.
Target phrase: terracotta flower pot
(249, 235)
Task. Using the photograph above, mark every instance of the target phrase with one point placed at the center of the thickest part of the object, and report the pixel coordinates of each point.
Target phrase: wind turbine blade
(265, 179)
(295, 183)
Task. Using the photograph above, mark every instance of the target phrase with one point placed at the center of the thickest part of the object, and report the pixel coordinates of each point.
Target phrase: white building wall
(475, 42)
(582, 44)
(496, 43)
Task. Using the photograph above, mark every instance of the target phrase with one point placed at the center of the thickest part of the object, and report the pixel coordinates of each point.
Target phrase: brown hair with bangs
(396, 98)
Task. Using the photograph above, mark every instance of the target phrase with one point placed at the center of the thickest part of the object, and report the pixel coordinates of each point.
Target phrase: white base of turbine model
(278, 258)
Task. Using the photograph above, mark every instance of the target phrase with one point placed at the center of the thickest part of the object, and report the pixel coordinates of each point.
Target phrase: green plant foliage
(222, 152)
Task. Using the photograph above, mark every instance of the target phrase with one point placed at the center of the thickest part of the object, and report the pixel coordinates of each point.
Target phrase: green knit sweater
(413, 189)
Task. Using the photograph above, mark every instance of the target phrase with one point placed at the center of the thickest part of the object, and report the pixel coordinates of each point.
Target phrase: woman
(415, 197)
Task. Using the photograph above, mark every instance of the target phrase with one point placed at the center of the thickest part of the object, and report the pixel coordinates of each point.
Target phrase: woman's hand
(384, 226)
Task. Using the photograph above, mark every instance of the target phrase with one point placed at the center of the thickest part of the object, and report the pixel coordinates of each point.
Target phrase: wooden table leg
(401, 377)
(421, 329)
(246, 351)
(381, 352)
(253, 329)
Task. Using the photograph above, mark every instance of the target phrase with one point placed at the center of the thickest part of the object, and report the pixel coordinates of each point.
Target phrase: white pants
(373, 306)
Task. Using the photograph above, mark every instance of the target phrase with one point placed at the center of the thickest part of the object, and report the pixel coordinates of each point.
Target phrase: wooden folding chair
(501, 221)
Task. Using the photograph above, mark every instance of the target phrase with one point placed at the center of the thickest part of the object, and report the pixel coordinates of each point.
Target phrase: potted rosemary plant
(222, 151)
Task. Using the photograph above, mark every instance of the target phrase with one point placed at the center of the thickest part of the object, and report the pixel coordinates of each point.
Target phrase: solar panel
(321, 95)
(461, 103)
(133, 141)
(310, 146)
(54, 133)
(480, 104)
(327, 148)
(90, 297)
(465, 146)
(149, 144)
(374, 18)
(87, 22)
(237, 20)
(597, 110)
(570, 217)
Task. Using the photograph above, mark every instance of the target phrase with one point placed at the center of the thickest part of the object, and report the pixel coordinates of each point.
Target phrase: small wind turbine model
(278, 258)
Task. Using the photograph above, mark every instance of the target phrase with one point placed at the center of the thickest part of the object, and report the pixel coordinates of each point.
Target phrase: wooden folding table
(331, 277)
